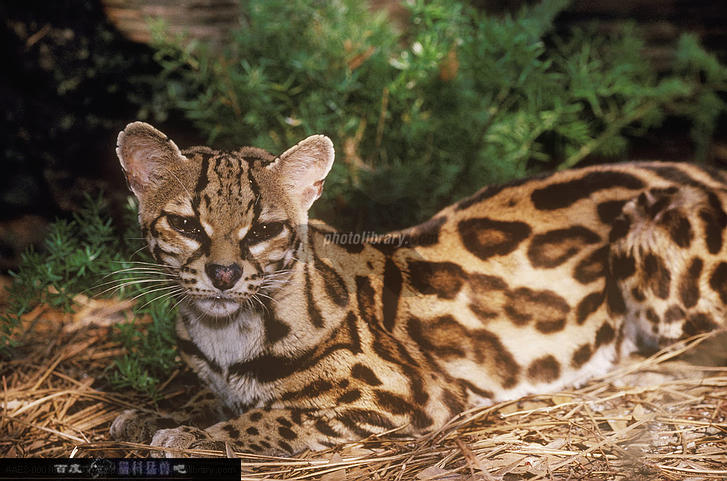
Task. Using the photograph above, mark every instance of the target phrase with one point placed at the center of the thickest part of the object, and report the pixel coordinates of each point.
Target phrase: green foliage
(76, 253)
(152, 353)
(459, 100)
(86, 255)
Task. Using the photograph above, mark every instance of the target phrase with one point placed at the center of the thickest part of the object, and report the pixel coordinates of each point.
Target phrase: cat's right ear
(145, 155)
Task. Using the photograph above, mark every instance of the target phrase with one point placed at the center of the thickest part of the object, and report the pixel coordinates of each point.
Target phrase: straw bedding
(662, 417)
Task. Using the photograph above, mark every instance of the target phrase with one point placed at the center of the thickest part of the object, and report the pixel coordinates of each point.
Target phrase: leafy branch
(458, 100)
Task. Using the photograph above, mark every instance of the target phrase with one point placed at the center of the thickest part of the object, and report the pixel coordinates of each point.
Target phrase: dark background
(71, 81)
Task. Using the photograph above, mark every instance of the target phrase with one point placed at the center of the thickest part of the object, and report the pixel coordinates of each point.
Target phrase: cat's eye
(185, 225)
(263, 232)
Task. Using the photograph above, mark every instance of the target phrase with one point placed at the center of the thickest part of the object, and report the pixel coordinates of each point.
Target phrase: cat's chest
(222, 346)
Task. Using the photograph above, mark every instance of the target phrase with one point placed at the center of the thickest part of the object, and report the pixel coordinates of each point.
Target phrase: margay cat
(526, 287)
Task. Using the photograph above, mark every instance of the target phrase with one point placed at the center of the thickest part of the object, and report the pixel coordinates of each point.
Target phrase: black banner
(121, 469)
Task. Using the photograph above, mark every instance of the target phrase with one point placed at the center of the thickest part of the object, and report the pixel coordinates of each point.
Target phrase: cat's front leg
(271, 432)
(137, 426)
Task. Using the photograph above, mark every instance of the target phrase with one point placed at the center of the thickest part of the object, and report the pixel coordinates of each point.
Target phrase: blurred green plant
(457, 101)
(87, 255)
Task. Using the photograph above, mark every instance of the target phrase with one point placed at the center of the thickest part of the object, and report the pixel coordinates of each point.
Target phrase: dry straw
(658, 418)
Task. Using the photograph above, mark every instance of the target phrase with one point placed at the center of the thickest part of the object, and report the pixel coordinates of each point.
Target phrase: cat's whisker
(180, 300)
(163, 295)
(254, 299)
(130, 277)
(144, 263)
(169, 289)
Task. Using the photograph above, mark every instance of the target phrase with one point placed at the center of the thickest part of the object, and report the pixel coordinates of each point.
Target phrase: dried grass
(655, 419)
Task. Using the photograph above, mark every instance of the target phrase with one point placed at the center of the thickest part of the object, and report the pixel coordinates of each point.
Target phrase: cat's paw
(181, 438)
(138, 426)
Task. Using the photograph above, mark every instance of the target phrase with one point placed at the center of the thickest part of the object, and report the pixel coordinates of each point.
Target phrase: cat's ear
(303, 168)
(145, 155)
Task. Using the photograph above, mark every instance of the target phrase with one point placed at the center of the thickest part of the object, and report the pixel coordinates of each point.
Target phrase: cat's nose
(223, 277)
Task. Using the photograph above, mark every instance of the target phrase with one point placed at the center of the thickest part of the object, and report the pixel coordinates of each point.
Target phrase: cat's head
(227, 224)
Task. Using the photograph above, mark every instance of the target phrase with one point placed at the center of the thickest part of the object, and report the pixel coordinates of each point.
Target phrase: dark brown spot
(483, 310)
(581, 356)
(698, 323)
(498, 360)
(393, 403)
(333, 283)
(232, 431)
(718, 281)
(256, 416)
(443, 336)
(287, 433)
(275, 329)
(453, 402)
(365, 374)
(391, 293)
(555, 247)
(284, 422)
(715, 222)
(355, 417)
(588, 306)
(325, 429)
(620, 228)
(605, 335)
(678, 227)
(675, 174)
(445, 279)
(623, 266)
(482, 284)
(674, 314)
(484, 393)
(592, 267)
(349, 397)
(314, 313)
(546, 307)
(652, 316)
(544, 369)
(608, 211)
(563, 194)
(550, 326)
(486, 238)
(366, 301)
(689, 283)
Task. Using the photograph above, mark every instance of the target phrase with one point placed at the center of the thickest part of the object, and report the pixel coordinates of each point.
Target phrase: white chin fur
(217, 307)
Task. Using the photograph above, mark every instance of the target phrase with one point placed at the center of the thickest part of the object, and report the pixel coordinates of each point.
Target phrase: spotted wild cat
(305, 341)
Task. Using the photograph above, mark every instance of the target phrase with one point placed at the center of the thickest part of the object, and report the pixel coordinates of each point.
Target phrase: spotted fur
(307, 342)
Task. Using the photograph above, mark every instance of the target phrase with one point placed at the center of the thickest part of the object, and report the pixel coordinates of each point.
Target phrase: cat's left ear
(303, 168)
(146, 156)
